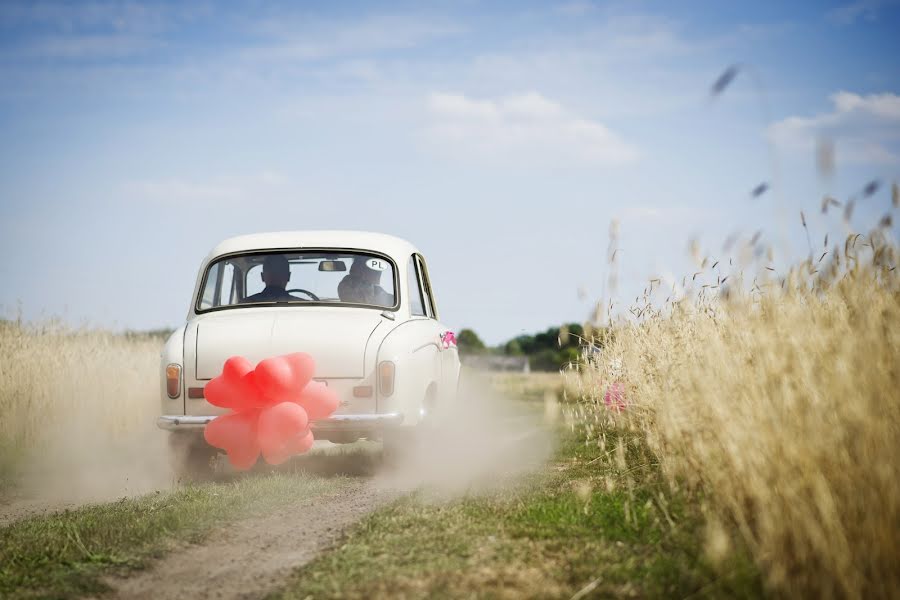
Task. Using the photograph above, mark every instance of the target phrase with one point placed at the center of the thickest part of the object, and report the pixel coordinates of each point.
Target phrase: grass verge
(570, 527)
(66, 554)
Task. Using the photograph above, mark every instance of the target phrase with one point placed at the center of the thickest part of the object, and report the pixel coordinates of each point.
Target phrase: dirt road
(251, 557)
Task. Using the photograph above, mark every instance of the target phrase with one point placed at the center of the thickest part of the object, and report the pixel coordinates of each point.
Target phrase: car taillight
(173, 380)
(386, 378)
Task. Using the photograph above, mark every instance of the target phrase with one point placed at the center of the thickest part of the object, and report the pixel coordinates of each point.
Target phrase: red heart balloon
(282, 431)
(282, 378)
(319, 400)
(235, 433)
(297, 445)
(301, 444)
(234, 387)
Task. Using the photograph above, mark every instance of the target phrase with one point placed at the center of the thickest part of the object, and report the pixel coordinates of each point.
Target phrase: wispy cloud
(576, 8)
(87, 47)
(866, 10)
(301, 40)
(220, 190)
(671, 214)
(865, 129)
(74, 16)
(523, 127)
(93, 30)
(113, 30)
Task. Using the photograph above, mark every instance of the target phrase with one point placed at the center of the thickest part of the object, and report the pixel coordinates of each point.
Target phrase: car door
(449, 355)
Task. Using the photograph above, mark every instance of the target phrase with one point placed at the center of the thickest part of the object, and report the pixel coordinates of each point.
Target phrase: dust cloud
(475, 444)
(81, 462)
(78, 418)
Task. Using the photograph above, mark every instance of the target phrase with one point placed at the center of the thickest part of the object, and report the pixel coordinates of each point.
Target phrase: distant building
(496, 362)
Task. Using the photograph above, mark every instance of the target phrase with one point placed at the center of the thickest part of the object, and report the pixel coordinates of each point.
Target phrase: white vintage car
(360, 303)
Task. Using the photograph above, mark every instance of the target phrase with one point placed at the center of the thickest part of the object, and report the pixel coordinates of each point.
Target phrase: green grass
(67, 553)
(548, 535)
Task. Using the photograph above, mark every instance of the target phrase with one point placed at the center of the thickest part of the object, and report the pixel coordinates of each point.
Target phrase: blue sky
(501, 138)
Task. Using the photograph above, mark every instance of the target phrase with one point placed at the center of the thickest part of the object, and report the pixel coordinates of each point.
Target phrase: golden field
(776, 403)
(62, 390)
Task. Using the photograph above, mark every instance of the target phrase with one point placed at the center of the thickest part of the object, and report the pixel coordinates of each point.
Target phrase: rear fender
(414, 348)
(172, 353)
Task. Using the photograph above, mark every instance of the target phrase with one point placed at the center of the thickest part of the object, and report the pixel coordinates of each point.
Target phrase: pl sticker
(376, 264)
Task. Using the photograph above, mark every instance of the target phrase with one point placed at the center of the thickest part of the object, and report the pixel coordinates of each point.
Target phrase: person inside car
(276, 273)
(361, 285)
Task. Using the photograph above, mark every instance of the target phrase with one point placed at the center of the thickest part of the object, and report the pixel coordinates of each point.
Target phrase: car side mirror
(332, 265)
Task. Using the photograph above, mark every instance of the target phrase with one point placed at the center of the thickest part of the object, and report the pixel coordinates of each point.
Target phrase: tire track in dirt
(249, 558)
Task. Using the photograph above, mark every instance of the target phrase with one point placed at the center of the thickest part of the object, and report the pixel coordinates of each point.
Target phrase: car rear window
(299, 278)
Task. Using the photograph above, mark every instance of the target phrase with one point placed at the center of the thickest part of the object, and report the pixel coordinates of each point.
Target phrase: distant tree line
(549, 350)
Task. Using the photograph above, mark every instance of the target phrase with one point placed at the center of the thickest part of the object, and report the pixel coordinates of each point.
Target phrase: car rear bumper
(361, 424)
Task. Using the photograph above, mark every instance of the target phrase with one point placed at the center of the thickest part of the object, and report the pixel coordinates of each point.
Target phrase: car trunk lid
(335, 337)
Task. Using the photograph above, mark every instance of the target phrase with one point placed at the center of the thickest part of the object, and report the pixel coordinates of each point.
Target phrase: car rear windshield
(299, 278)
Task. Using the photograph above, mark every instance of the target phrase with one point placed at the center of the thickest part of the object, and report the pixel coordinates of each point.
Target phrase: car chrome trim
(173, 422)
(335, 422)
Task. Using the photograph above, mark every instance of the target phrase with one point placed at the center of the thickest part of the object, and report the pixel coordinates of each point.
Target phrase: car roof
(395, 247)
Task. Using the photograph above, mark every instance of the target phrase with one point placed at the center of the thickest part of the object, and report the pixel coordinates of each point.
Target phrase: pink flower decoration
(271, 407)
(614, 397)
(448, 338)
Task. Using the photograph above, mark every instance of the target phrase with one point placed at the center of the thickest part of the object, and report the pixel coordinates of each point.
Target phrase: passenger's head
(276, 271)
(361, 270)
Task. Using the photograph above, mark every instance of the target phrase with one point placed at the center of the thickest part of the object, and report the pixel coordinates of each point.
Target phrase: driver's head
(276, 271)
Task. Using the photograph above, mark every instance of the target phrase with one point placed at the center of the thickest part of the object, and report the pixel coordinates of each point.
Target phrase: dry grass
(61, 389)
(778, 404)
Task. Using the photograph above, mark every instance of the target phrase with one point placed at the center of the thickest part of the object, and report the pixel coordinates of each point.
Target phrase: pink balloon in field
(614, 397)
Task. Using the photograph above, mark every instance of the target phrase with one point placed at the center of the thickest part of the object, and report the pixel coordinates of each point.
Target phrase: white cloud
(457, 106)
(865, 129)
(526, 127)
(885, 106)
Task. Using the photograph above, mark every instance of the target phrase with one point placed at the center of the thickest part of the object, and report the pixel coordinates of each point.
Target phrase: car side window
(416, 306)
(209, 299)
(219, 287)
(425, 286)
(228, 284)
